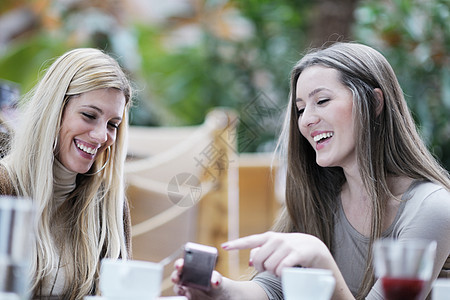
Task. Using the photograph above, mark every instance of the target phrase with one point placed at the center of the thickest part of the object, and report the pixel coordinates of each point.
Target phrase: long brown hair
(386, 144)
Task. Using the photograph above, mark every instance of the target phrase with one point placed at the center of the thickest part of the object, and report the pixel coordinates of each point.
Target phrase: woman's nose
(99, 134)
(308, 117)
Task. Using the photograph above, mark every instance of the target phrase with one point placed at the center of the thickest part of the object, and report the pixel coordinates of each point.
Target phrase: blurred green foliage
(25, 60)
(414, 35)
(221, 71)
(239, 54)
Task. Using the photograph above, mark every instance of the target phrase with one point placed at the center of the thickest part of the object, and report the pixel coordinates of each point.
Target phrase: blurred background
(188, 56)
(212, 81)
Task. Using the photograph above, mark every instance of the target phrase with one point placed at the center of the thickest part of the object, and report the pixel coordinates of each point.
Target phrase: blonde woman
(357, 170)
(68, 157)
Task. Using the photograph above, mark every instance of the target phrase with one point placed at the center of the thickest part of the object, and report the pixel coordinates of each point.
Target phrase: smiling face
(88, 126)
(325, 116)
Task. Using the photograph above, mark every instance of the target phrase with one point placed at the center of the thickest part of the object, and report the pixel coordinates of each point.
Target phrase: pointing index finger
(248, 242)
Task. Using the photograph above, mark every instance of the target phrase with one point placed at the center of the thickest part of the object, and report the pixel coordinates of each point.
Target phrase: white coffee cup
(307, 283)
(130, 279)
(441, 289)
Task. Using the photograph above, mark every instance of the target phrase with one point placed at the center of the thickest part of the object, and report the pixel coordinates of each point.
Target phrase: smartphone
(199, 263)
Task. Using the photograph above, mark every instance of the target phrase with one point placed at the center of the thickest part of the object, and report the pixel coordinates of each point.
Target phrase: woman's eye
(89, 116)
(323, 101)
(114, 125)
(300, 111)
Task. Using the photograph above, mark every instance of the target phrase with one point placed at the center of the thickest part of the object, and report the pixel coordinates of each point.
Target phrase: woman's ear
(380, 100)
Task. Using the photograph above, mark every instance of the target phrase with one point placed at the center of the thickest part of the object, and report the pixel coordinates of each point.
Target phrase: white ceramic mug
(130, 279)
(441, 289)
(307, 283)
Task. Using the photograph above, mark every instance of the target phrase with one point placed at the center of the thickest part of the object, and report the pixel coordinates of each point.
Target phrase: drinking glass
(16, 236)
(404, 267)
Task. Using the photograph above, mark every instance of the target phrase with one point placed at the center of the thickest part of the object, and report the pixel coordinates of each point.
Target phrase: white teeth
(322, 136)
(87, 149)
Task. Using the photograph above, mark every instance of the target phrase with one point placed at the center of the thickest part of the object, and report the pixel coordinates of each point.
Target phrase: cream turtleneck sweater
(64, 182)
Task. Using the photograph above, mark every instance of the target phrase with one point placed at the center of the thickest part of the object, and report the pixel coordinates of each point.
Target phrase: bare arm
(243, 290)
(273, 251)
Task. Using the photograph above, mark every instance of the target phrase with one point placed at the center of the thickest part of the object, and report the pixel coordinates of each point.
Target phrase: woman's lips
(85, 150)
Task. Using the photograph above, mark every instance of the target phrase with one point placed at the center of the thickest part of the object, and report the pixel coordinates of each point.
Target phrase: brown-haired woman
(357, 170)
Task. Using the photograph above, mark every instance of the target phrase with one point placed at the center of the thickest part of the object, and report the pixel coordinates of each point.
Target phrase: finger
(175, 277)
(260, 256)
(178, 265)
(290, 260)
(276, 257)
(247, 242)
(179, 290)
(252, 254)
(216, 279)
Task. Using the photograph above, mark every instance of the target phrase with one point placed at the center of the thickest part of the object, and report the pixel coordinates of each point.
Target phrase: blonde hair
(386, 144)
(93, 214)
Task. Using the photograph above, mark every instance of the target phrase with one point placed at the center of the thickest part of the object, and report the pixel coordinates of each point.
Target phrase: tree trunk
(331, 21)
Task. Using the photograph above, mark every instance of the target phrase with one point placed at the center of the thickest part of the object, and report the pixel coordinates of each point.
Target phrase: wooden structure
(189, 184)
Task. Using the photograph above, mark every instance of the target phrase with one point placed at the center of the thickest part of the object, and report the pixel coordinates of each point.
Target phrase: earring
(99, 170)
(55, 144)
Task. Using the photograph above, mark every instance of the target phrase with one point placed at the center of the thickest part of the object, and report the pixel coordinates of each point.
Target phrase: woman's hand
(273, 251)
(222, 288)
(192, 293)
